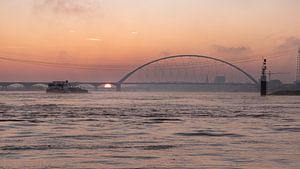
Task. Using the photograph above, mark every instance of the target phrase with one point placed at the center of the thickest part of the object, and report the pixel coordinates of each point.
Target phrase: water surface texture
(148, 130)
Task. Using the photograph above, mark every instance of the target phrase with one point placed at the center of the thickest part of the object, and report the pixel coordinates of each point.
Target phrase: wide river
(149, 130)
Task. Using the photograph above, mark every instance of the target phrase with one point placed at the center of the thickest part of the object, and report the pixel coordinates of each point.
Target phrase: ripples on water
(148, 130)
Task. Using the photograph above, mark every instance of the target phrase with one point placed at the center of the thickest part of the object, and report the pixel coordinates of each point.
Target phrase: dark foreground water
(148, 130)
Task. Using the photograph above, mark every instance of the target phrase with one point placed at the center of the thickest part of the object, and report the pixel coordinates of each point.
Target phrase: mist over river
(123, 130)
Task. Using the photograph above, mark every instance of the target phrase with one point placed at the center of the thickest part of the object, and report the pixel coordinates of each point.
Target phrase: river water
(149, 130)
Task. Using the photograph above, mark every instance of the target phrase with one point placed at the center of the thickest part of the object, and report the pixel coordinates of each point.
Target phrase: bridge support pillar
(118, 87)
(27, 87)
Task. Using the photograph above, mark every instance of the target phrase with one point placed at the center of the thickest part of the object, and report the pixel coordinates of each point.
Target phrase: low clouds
(65, 6)
(290, 42)
(94, 39)
(233, 51)
(165, 53)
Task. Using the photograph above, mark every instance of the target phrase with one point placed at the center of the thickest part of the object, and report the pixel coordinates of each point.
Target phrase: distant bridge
(123, 80)
(96, 85)
(30, 85)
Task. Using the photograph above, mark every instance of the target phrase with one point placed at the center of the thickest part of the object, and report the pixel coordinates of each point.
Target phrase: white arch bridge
(186, 70)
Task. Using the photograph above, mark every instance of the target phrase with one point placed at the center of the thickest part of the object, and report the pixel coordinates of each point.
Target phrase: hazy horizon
(114, 37)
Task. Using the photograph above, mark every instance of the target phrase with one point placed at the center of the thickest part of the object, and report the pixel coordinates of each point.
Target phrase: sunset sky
(118, 35)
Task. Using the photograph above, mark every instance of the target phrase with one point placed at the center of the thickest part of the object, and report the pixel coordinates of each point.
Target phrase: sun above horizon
(107, 86)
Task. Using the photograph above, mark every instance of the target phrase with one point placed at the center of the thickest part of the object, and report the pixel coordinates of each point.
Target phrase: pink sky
(118, 35)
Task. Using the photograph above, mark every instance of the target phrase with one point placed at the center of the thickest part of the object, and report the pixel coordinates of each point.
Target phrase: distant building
(297, 84)
(274, 84)
(207, 79)
(220, 79)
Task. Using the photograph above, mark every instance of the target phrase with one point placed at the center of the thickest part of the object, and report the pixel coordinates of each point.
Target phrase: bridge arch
(40, 85)
(124, 78)
(15, 86)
